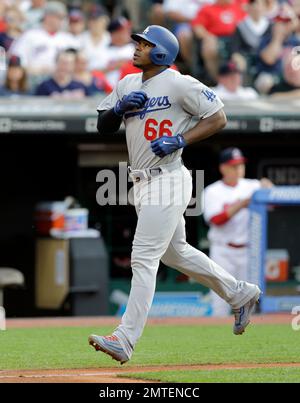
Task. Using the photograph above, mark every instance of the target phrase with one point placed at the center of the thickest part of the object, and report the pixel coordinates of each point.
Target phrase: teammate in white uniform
(226, 212)
(157, 107)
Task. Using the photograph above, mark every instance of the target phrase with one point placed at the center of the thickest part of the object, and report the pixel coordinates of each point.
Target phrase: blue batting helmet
(166, 45)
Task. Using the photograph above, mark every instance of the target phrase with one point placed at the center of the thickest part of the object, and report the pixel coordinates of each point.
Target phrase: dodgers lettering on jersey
(173, 101)
(152, 105)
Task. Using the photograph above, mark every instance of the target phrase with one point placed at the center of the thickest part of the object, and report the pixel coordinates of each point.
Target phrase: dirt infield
(110, 375)
(113, 321)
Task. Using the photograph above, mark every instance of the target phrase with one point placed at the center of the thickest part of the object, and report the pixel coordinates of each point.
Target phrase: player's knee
(140, 258)
(166, 261)
(174, 255)
(170, 260)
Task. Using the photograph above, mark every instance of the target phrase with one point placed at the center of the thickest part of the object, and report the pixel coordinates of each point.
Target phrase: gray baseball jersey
(173, 101)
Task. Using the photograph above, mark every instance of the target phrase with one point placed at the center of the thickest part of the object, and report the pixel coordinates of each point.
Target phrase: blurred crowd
(73, 49)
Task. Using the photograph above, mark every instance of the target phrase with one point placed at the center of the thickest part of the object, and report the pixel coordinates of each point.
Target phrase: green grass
(257, 375)
(43, 348)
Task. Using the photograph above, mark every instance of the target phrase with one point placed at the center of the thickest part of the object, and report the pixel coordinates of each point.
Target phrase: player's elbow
(100, 123)
(108, 122)
(222, 120)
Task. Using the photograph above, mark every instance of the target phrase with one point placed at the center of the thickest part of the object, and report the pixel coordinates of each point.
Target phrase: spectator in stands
(272, 8)
(16, 78)
(95, 41)
(248, 35)
(38, 47)
(121, 48)
(3, 7)
(230, 82)
(76, 25)
(34, 14)
(14, 19)
(181, 13)
(62, 84)
(135, 11)
(129, 68)
(285, 34)
(296, 7)
(214, 26)
(95, 83)
(289, 86)
(156, 12)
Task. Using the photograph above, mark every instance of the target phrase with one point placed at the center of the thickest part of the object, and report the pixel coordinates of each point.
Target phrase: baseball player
(157, 107)
(226, 212)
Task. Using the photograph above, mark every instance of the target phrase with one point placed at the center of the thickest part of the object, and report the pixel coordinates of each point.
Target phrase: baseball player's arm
(206, 127)
(234, 208)
(196, 100)
(228, 212)
(231, 210)
(108, 121)
(265, 183)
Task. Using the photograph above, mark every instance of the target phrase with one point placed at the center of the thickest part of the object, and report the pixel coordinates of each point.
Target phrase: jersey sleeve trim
(220, 219)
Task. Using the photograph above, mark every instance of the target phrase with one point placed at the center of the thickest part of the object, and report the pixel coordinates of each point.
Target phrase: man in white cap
(39, 47)
(226, 212)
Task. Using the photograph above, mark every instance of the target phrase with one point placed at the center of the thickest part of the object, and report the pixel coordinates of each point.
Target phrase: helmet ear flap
(158, 56)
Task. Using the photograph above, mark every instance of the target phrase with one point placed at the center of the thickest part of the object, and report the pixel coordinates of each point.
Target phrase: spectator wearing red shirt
(3, 7)
(95, 82)
(214, 24)
(129, 68)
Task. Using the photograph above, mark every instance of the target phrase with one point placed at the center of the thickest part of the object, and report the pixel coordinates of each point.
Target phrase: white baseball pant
(160, 235)
(234, 261)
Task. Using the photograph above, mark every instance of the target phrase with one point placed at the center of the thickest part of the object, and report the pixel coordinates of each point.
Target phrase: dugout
(274, 261)
(50, 149)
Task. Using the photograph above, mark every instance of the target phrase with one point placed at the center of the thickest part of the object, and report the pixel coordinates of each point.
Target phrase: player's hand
(136, 99)
(166, 145)
(265, 183)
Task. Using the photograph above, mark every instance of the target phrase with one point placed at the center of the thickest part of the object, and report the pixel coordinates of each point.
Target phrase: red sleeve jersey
(129, 68)
(220, 20)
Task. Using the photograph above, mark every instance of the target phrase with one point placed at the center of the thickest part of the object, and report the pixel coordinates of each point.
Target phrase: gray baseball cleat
(109, 345)
(242, 314)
